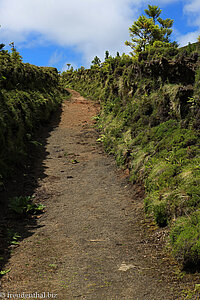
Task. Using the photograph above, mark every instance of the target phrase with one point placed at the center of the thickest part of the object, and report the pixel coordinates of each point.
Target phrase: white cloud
(89, 26)
(55, 58)
(190, 37)
(92, 26)
(191, 10)
(192, 7)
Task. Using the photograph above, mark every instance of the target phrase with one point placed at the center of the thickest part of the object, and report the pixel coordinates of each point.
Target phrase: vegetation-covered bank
(28, 95)
(150, 121)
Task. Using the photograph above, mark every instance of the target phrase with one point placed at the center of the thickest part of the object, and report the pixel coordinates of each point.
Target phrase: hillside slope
(150, 121)
(92, 242)
(28, 95)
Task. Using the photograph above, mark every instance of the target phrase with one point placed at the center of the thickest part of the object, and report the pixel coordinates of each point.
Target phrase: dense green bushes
(15, 74)
(28, 95)
(150, 122)
(185, 238)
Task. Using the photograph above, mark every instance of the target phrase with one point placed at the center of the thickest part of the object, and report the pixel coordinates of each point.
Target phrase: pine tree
(107, 54)
(1, 45)
(149, 29)
(15, 56)
(153, 12)
(96, 61)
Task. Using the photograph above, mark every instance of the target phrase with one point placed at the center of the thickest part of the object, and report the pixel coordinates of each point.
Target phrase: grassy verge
(150, 122)
(28, 96)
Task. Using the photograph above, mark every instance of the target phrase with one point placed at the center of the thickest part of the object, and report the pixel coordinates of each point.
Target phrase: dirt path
(91, 242)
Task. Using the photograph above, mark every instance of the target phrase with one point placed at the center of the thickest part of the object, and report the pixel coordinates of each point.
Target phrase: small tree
(96, 61)
(149, 29)
(107, 54)
(1, 45)
(15, 56)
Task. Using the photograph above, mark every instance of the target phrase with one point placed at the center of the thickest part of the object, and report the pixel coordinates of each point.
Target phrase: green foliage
(192, 293)
(28, 96)
(153, 12)
(2, 46)
(96, 61)
(159, 49)
(148, 30)
(68, 65)
(185, 239)
(160, 214)
(150, 122)
(107, 54)
(13, 237)
(24, 205)
(15, 56)
(4, 272)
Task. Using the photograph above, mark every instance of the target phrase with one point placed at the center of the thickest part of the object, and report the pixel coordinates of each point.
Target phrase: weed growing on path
(24, 205)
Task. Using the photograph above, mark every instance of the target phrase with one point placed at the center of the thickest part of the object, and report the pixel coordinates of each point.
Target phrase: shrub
(160, 214)
(28, 95)
(159, 49)
(149, 120)
(24, 205)
(185, 240)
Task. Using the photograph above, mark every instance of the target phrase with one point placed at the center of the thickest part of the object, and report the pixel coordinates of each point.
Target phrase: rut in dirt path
(90, 243)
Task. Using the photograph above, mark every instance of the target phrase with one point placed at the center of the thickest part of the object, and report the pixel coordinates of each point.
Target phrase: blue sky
(57, 32)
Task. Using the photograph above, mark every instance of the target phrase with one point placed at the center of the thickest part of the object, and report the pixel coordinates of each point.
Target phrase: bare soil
(93, 241)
